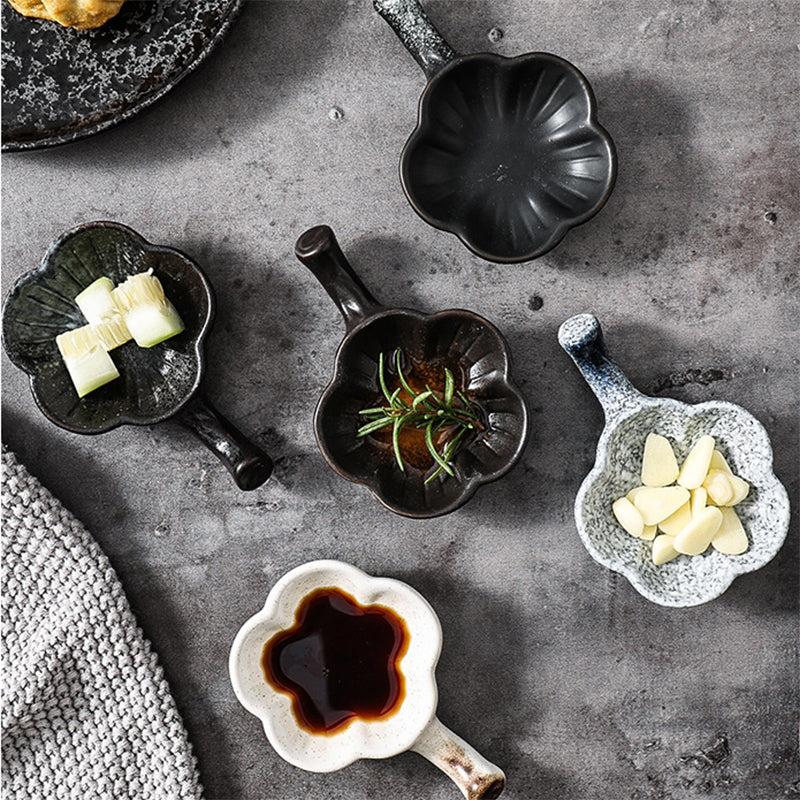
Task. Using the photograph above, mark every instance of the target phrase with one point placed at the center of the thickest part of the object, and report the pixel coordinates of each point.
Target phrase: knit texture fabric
(86, 712)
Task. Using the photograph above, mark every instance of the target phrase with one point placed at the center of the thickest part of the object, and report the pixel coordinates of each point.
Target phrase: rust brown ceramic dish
(155, 383)
(507, 153)
(460, 340)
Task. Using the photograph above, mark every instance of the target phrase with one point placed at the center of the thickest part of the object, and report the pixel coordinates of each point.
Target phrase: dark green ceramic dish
(156, 383)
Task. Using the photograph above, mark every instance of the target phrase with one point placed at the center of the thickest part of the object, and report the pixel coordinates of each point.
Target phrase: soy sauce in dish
(338, 662)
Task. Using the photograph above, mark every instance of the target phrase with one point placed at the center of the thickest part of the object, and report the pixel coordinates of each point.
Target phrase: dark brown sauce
(338, 662)
(411, 440)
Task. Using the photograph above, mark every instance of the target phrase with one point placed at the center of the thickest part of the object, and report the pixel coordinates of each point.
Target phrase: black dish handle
(318, 249)
(412, 26)
(249, 465)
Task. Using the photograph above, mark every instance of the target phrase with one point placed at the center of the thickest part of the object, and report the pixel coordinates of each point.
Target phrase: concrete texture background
(553, 667)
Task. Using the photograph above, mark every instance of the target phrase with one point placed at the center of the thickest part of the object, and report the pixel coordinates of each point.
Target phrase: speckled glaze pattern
(61, 84)
(413, 726)
(507, 154)
(155, 383)
(629, 417)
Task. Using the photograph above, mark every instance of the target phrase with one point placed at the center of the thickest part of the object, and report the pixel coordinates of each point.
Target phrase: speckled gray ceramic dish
(61, 84)
(630, 416)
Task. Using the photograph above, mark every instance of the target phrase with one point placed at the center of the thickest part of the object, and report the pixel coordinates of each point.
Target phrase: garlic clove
(697, 535)
(655, 505)
(676, 522)
(659, 466)
(695, 468)
(731, 538)
(663, 549)
(628, 516)
(718, 487)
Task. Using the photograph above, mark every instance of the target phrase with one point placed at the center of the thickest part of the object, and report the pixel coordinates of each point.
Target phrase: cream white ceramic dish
(629, 417)
(414, 726)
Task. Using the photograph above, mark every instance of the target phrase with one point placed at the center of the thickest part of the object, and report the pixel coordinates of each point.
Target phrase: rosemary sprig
(426, 410)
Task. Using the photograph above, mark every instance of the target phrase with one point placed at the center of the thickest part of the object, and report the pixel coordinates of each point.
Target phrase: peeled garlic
(676, 522)
(690, 515)
(699, 500)
(649, 532)
(628, 516)
(720, 491)
(718, 462)
(656, 505)
(659, 467)
(741, 488)
(697, 535)
(731, 538)
(633, 492)
(695, 468)
(663, 549)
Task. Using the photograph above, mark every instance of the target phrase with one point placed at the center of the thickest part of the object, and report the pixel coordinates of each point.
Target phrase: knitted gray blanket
(87, 713)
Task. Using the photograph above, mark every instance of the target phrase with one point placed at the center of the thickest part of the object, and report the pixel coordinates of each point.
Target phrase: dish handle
(249, 465)
(412, 26)
(477, 778)
(582, 338)
(318, 249)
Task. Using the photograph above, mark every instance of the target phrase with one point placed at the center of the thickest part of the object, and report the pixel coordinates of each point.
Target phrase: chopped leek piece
(88, 363)
(150, 316)
(96, 302)
(112, 332)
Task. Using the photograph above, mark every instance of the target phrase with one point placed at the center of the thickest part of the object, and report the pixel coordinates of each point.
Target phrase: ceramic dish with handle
(155, 383)
(629, 417)
(460, 340)
(412, 726)
(507, 153)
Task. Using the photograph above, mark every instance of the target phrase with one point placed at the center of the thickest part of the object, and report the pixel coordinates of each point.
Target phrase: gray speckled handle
(582, 338)
(412, 26)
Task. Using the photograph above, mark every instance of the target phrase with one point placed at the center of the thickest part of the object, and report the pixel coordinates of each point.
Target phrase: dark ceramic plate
(507, 153)
(61, 84)
(155, 383)
(460, 340)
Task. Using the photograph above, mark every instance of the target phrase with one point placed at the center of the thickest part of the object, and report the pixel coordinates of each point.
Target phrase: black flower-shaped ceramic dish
(507, 153)
(459, 340)
(155, 383)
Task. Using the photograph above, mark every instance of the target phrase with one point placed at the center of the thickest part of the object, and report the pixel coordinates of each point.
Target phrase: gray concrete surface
(553, 667)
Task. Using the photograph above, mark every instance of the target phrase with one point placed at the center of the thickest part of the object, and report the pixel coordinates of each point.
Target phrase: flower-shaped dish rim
(359, 739)
(340, 380)
(629, 571)
(423, 125)
(45, 267)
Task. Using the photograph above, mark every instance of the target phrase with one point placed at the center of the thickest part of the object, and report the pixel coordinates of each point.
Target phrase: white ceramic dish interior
(629, 417)
(413, 726)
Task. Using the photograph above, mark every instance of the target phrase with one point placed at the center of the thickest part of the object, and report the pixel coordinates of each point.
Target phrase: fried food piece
(30, 8)
(79, 14)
